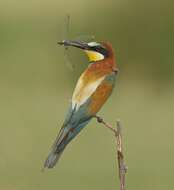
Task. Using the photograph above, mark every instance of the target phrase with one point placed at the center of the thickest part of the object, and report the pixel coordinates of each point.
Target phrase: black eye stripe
(101, 50)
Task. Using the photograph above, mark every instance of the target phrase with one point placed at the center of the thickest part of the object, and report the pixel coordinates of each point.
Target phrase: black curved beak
(77, 44)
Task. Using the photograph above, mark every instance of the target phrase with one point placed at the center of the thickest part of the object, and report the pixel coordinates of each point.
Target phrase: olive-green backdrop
(36, 85)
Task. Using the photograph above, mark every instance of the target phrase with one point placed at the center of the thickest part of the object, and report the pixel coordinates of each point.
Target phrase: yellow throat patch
(94, 56)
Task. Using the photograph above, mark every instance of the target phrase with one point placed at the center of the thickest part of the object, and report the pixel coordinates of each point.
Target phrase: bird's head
(95, 51)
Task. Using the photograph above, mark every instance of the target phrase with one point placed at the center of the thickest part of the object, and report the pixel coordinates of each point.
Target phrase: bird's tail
(52, 159)
(66, 134)
(57, 149)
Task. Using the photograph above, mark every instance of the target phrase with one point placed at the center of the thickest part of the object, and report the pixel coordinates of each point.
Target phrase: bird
(93, 88)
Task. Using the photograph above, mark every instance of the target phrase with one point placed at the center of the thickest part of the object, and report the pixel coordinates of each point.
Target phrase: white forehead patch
(92, 44)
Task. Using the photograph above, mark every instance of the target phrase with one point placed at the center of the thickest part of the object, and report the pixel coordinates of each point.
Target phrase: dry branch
(122, 168)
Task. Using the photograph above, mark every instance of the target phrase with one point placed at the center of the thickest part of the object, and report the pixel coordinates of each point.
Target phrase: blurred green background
(36, 85)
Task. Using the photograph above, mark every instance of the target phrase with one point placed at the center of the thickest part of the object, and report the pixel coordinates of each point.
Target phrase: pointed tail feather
(57, 149)
(66, 134)
(52, 159)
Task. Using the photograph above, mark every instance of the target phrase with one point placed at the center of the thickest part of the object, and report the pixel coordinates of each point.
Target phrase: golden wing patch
(84, 90)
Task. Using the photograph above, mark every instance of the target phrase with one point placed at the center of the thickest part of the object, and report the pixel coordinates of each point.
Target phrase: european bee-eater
(92, 90)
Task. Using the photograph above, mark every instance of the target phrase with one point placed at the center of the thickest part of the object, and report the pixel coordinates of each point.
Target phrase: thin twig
(122, 168)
